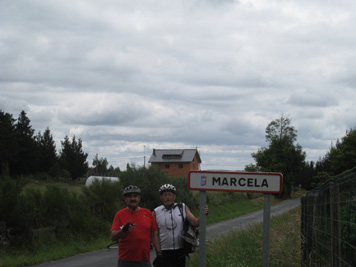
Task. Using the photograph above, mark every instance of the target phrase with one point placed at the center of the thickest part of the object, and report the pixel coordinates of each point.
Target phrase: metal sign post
(256, 182)
(202, 229)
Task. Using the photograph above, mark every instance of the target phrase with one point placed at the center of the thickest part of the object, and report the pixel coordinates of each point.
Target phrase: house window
(180, 166)
(166, 166)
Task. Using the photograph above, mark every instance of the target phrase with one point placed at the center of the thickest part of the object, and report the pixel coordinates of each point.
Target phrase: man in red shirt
(135, 229)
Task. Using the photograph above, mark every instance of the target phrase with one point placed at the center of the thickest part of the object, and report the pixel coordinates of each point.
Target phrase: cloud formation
(130, 76)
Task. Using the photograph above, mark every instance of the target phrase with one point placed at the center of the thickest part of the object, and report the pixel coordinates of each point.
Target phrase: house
(177, 162)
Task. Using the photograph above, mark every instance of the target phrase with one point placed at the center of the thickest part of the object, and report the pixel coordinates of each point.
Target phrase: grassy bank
(46, 253)
(244, 249)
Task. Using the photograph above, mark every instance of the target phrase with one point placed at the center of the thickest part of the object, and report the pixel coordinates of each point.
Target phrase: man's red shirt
(135, 245)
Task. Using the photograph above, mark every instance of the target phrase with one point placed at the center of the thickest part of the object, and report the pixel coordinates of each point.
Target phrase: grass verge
(56, 251)
(244, 248)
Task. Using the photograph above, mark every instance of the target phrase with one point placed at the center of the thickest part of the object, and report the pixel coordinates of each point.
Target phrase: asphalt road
(108, 257)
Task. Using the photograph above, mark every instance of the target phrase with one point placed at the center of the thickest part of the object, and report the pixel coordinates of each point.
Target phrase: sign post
(202, 229)
(256, 182)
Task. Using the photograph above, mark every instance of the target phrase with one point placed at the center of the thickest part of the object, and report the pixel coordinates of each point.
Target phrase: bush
(103, 198)
(10, 198)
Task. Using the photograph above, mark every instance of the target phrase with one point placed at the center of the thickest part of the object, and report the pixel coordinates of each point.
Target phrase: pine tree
(27, 160)
(8, 142)
(72, 158)
(48, 157)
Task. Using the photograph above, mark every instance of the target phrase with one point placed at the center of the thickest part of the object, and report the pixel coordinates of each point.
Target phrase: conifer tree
(8, 142)
(27, 147)
(72, 158)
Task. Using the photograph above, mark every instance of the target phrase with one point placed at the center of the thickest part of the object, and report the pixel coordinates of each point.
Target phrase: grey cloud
(309, 98)
(210, 74)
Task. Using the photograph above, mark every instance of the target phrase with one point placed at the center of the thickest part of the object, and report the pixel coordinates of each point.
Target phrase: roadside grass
(233, 209)
(46, 253)
(244, 248)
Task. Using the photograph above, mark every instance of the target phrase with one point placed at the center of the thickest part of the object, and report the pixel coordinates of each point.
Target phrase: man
(135, 229)
(170, 226)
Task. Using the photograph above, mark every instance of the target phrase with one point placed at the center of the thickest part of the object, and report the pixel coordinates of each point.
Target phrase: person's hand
(206, 210)
(128, 227)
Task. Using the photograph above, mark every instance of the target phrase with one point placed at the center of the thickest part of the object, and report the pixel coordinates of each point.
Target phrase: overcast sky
(130, 76)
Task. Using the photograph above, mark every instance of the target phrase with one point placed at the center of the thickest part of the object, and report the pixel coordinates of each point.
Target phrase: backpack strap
(185, 221)
(180, 206)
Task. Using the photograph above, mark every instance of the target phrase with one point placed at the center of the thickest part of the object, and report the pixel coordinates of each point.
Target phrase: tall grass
(244, 248)
(50, 252)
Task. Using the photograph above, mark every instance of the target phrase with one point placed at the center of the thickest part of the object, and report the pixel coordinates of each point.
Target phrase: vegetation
(23, 153)
(282, 155)
(244, 248)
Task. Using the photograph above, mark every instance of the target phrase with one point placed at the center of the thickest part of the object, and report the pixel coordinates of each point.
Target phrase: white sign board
(257, 182)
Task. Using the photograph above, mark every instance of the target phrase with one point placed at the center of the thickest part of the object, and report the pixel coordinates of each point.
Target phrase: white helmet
(132, 189)
(167, 187)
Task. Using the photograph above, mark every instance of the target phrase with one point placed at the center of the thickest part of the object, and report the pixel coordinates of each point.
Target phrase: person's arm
(191, 218)
(116, 235)
(155, 243)
(154, 237)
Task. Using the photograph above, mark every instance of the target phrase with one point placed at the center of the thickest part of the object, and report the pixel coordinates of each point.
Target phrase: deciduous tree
(282, 155)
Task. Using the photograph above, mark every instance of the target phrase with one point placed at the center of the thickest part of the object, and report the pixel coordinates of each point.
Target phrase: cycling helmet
(167, 187)
(132, 189)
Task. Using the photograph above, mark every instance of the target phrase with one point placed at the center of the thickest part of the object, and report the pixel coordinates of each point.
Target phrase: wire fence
(328, 227)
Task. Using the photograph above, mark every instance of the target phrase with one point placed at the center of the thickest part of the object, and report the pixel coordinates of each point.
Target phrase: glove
(126, 227)
(159, 261)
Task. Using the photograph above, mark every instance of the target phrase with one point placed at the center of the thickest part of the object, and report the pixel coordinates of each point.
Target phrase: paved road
(108, 257)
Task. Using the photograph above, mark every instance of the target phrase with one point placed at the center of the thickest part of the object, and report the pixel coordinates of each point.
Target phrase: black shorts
(122, 263)
(174, 258)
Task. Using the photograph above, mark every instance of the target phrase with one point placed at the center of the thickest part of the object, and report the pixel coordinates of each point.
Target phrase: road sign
(256, 182)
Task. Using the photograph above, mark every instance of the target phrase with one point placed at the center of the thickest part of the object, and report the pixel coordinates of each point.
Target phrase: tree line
(286, 156)
(22, 152)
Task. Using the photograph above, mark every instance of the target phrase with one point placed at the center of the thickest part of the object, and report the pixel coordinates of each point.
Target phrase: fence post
(303, 231)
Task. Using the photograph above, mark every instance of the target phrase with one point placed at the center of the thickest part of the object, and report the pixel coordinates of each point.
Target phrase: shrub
(103, 198)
